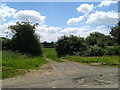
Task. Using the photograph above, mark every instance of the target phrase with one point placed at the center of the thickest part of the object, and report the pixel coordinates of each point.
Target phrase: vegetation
(115, 32)
(105, 60)
(24, 52)
(24, 39)
(69, 45)
(96, 44)
(51, 54)
(94, 51)
(99, 39)
(14, 63)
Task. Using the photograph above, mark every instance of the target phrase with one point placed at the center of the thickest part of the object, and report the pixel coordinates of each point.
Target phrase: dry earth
(66, 75)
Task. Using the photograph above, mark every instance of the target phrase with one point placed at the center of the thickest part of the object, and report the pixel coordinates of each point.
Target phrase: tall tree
(24, 39)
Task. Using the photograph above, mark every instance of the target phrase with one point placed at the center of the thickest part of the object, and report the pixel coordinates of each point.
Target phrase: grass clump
(12, 62)
(51, 54)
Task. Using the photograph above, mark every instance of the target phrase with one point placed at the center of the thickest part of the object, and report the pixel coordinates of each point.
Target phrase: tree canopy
(24, 39)
(99, 39)
(69, 45)
(115, 32)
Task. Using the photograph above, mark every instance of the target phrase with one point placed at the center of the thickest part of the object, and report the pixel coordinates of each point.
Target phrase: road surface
(66, 75)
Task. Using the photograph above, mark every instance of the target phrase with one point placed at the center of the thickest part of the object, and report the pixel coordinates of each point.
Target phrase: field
(51, 54)
(14, 64)
(104, 60)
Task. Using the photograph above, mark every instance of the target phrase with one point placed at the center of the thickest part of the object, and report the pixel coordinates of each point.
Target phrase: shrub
(69, 45)
(112, 50)
(94, 51)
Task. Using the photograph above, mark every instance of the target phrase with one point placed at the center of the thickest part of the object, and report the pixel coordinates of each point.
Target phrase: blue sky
(62, 18)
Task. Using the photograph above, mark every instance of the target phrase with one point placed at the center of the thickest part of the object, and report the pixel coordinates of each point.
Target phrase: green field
(51, 54)
(14, 64)
(104, 60)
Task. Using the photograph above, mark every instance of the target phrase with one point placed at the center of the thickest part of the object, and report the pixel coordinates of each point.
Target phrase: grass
(106, 60)
(14, 64)
(51, 54)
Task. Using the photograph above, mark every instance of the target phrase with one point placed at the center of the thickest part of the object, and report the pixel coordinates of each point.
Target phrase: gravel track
(66, 75)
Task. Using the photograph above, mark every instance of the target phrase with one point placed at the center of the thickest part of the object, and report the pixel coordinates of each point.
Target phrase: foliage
(115, 32)
(112, 50)
(69, 45)
(94, 51)
(99, 39)
(96, 44)
(24, 39)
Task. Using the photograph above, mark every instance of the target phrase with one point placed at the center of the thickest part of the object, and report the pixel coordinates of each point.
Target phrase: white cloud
(106, 3)
(4, 28)
(83, 31)
(48, 33)
(102, 29)
(6, 11)
(73, 21)
(102, 17)
(52, 33)
(30, 15)
(85, 8)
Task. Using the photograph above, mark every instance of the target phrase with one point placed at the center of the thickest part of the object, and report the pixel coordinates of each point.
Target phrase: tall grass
(51, 54)
(12, 62)
(105, 60)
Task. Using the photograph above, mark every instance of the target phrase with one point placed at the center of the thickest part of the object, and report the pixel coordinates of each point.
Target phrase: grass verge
(51, 54)
(14, 64)
(105, 60)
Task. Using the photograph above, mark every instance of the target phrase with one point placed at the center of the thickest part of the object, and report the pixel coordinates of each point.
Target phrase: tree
(115, 33)
(69, 45)
(99, 39)
(24, 39)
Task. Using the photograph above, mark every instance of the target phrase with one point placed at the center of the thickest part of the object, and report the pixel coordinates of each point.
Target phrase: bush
(69, 45)
(112, 50)
(94, 51)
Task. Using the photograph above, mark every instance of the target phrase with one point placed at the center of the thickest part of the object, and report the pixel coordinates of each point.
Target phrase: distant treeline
(48, 44)
(25, 41)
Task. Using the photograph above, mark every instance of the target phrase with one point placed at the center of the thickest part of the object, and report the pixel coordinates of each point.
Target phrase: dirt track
(66, 75)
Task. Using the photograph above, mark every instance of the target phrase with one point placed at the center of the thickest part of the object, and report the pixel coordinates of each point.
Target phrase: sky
(60, 18)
